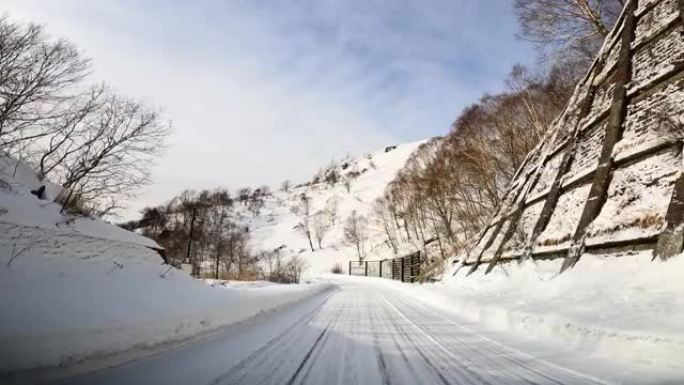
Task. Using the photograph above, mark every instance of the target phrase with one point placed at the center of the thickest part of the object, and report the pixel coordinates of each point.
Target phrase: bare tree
(244, 194)
(305, 213)
(355, 232)
(197, 228)
(449, 187)
(114, 153)
(265, 191)
(383, 216)
(37, 74)
(332, 176)
(97, 144)
(321, 225)
(285, 186)
(279, 266)
(331, 209)
(571, 28)
(154, 221)
(220, 204)
(295, 267)
(255, 205)
(238, 252)
(269, 258)
(65, 138)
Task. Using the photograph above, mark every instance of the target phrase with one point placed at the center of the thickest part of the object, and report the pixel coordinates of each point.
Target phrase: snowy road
(359, 334)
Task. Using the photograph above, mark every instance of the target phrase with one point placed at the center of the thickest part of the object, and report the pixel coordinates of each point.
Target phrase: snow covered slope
(18, 207)
(78, 289)
(624, 306)
(368, 175)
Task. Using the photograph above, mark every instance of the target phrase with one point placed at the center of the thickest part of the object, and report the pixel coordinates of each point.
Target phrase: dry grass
(554, 242)
(645, 222)
(73, 205)
(648, 221)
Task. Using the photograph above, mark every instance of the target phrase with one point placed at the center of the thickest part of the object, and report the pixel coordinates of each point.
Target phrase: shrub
(337, 269)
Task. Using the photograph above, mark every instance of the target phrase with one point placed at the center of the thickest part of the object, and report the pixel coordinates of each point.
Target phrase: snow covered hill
(78, 289)
(366, 176)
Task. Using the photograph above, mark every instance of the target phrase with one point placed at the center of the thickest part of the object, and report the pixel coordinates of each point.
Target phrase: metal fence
(405, 269)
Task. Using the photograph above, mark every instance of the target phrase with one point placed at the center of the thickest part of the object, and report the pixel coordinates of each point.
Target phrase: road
(357, 334)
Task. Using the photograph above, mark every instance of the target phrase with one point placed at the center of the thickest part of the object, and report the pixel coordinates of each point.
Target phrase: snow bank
(62, 311)
(78, 293)
(624, 307)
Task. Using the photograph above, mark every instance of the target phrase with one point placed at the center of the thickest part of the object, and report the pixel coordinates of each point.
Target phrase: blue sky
(261, 91)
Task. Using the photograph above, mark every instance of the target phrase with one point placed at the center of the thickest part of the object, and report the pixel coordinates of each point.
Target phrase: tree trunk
(308, 235)
(218, 247)
(195, 267)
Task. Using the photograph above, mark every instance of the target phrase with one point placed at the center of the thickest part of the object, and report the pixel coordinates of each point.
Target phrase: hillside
(276, 224)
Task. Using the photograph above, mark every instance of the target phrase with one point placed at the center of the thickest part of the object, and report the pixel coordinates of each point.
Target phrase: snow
(638, 198)
(243, 285)
(274, 227)
(625, 307)
(565, 217)
(85, 293)
(82, 293)
(18, 206)
(373, 331)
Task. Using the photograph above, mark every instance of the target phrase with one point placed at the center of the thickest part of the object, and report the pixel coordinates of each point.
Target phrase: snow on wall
(479, 248)
(644, 4)
(565, 217)
(489, 252)
(548, 174)
(638, 198)
(588, 150)
(610, 61)
(603, 98)
(657, 57)
(655, 20)
(514, 195)
(648, 119)
(524, 228)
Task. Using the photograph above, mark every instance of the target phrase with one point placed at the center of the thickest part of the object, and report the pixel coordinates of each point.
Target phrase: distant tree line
(450, 186)
(202, 229)
(97, 144)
